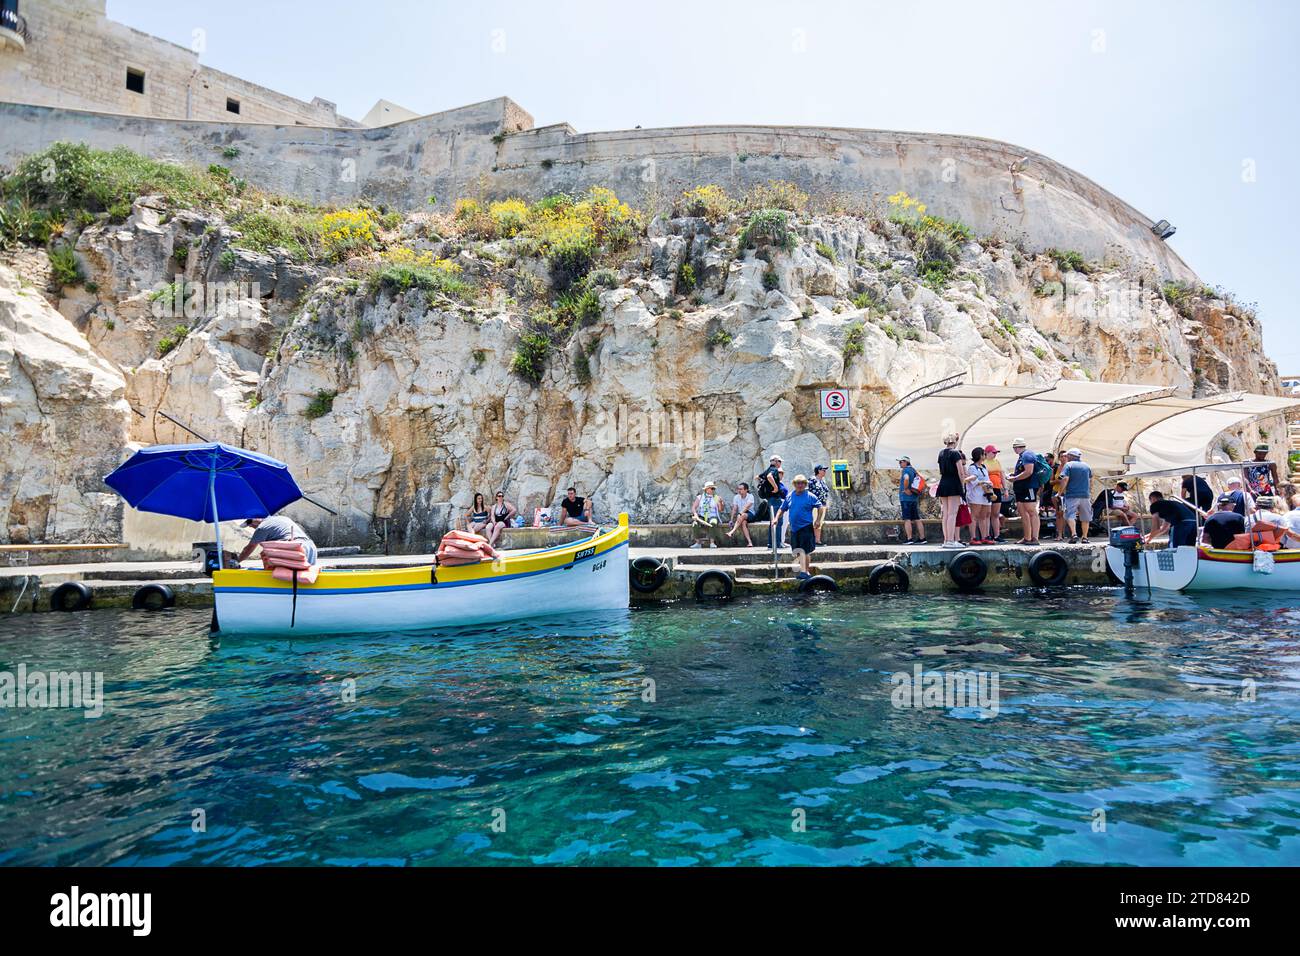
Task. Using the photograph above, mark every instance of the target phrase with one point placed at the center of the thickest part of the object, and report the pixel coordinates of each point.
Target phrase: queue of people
(974, 495)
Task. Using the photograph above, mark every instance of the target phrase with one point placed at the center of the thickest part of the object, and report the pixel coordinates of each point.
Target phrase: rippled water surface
(750, 733)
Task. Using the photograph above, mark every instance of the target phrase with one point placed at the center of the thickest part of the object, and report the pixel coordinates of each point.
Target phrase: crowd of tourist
(974, 496)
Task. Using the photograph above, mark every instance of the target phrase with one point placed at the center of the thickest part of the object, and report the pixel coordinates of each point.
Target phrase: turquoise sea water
(767, 736)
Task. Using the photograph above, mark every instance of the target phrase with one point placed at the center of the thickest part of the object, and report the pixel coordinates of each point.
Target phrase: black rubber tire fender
(647, 575)
(818, 582)
(889, 579)
(1048, 569)
(705, 578)
(968, 570)
(153, 597)
(71, 596)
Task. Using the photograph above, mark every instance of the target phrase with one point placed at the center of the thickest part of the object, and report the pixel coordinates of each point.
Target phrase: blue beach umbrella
(205, 482)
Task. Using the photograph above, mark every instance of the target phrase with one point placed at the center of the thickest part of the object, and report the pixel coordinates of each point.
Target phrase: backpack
(1042, 471)
(919, 484)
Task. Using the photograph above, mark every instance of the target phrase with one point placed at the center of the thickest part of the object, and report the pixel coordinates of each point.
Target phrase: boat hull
(1208, 569)
(579, 577)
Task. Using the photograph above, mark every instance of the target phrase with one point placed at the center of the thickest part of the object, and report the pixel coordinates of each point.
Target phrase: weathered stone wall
(77, 59)
(461, 152)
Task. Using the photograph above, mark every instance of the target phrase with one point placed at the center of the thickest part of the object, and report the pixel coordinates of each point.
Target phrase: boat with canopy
(1198, 567)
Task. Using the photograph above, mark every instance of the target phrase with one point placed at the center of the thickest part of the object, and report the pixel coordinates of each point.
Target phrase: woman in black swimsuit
(500, 517)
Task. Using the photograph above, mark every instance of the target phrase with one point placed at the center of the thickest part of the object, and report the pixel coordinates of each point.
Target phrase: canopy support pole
(216, 519)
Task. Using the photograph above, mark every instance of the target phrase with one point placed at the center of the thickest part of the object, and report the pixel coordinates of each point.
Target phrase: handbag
(963, 515)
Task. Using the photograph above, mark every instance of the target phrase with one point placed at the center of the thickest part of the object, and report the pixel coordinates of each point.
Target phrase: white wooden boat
(586, 575)
(1198, 567)
(1209, 569)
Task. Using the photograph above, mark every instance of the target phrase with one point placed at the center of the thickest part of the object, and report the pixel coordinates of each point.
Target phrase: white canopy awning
(1041, 418)
(916, 425)
(1107, 422)
(1184, 439)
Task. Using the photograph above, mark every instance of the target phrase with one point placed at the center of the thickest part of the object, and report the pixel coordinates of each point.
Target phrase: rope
(26, 579)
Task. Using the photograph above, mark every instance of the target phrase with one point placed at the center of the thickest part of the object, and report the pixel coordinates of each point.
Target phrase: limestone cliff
(691, 351)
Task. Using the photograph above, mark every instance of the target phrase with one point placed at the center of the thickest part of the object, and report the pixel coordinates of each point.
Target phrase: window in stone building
(232, 106)
(135, 80)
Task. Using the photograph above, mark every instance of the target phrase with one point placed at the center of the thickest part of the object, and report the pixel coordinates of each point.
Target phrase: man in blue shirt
(1237, 495)
(801, 508)
(1077, 494)
(909, 501)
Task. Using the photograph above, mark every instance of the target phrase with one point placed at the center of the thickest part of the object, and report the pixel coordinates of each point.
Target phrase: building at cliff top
(69, 73)
(67, 53)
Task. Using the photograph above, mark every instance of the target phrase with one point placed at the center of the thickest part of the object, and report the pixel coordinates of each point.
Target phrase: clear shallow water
(761, 709)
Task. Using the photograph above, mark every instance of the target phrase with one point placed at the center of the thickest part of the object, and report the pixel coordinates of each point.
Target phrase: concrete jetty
(29, 576)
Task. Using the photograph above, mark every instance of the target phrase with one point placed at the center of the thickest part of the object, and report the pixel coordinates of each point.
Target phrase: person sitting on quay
(910, 487)
(801, 507)
(1076, 487)
(822, 492)
(1114, 503)
(277, 528)
(477, 517)
(1261, 475)
(1225, 524)
(743, 511)
(706, 514)
(577, 511)
(1024, 486)
(502, 513)
(1176, 516)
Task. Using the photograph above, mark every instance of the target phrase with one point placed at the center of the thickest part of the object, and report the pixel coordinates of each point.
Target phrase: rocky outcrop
(395, 407)
(64, 423)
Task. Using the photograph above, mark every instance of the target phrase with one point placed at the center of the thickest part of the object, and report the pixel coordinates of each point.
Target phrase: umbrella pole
(216, 519)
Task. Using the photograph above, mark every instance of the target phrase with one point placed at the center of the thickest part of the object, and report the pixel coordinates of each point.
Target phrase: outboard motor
(1128, 540)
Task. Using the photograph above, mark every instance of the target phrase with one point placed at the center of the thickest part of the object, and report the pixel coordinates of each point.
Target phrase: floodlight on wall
(1163, 229)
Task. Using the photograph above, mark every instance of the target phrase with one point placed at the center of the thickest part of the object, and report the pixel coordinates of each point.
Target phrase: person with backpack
(911, 485)
(1029, 474)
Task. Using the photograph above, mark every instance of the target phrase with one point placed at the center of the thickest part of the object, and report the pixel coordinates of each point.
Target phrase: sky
(1187, 110)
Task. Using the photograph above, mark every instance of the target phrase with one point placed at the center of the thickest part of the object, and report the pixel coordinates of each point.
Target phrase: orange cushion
(304, 577)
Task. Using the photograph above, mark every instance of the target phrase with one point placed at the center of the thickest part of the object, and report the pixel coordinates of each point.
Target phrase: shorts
(1025, 492)
(803, 539)
(750, 515)
(1078, 509)
(911, 509)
